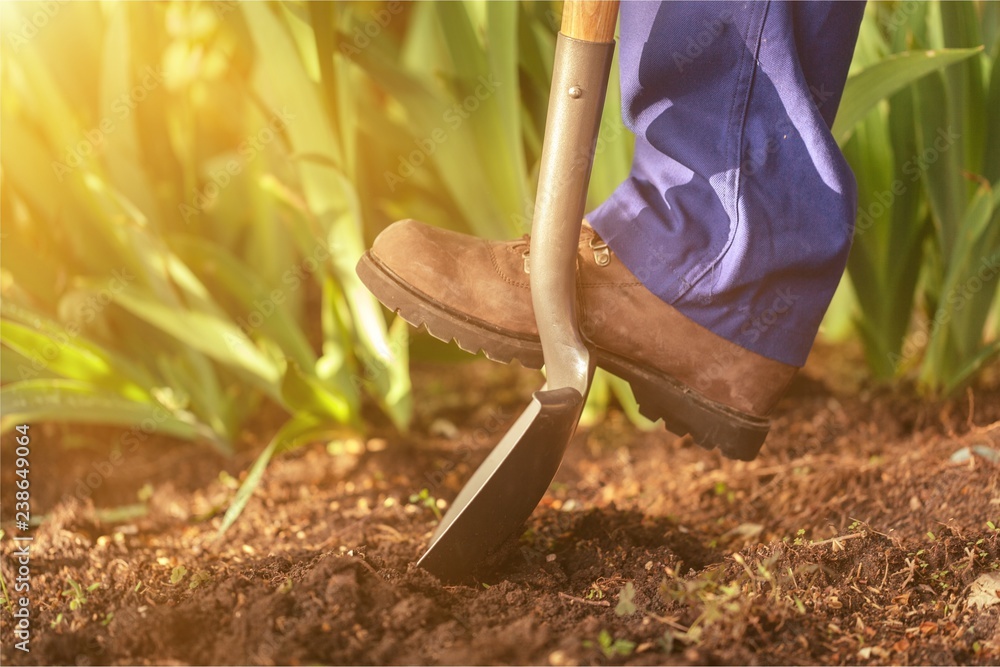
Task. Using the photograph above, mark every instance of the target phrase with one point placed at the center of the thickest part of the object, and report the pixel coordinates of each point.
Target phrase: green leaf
(67, 355)
(397, 401)
(991, 150)
(14, 366)
(626, 604)
(122, 153)
(870, 154)
(254, 297)
(963, 374)
(177, 574)
(333, 79)
(876, 82)
(966, 98)
(70, 334)
(838, 322)
(598, 399)
(956, 347)
(210, 335)
(626, 399)
(287, 85)
(298, 430)
(79, 402)
(941, 170)
(331, 196)
(432, 116)
(305, 393)
(886, 256)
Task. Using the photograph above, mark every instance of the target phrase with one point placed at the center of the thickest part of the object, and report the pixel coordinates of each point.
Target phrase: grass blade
(210, 335)
(876, 82)
(64, 355)
(296, 431)
(80, 402)
(253, 296)
(303, 393)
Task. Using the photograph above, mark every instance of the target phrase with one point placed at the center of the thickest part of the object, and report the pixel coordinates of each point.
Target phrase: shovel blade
(506, 487)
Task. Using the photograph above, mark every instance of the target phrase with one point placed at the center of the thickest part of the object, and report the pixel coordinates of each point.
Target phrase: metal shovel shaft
(506, 488)
(579, 83)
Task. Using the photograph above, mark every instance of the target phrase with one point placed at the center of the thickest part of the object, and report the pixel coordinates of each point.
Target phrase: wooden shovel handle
(590, 20)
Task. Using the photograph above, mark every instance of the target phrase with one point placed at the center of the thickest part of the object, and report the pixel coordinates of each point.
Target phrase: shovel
(507, 487)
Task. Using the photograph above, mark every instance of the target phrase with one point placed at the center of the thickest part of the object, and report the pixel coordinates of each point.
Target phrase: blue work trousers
(739, 208)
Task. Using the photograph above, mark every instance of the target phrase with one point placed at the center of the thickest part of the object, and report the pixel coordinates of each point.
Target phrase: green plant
(609, 646)
(626, 601)
(729, 600)
(722, 490)
(199, 210)
(77, 594)
(177, 574)
(917, 127)
(799, 539)
(199, 578)
(714, 599)
(425, 499)
(492, 194)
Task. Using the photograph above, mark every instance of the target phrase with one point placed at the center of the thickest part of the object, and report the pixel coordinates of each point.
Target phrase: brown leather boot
(476, 292)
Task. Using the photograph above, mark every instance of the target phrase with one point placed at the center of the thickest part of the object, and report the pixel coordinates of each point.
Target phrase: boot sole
(737, 435)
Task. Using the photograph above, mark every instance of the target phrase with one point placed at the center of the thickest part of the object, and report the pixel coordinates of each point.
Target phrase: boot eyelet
(602, 254)
(527, 263)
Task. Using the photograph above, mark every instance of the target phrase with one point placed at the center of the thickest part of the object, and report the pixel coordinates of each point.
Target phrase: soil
(853, 539)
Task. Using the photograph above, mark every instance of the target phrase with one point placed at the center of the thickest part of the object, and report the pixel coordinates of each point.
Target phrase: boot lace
(602, 254)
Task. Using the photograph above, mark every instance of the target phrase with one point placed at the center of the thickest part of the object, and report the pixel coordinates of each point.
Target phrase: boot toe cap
(465, 274)
(421, 255)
